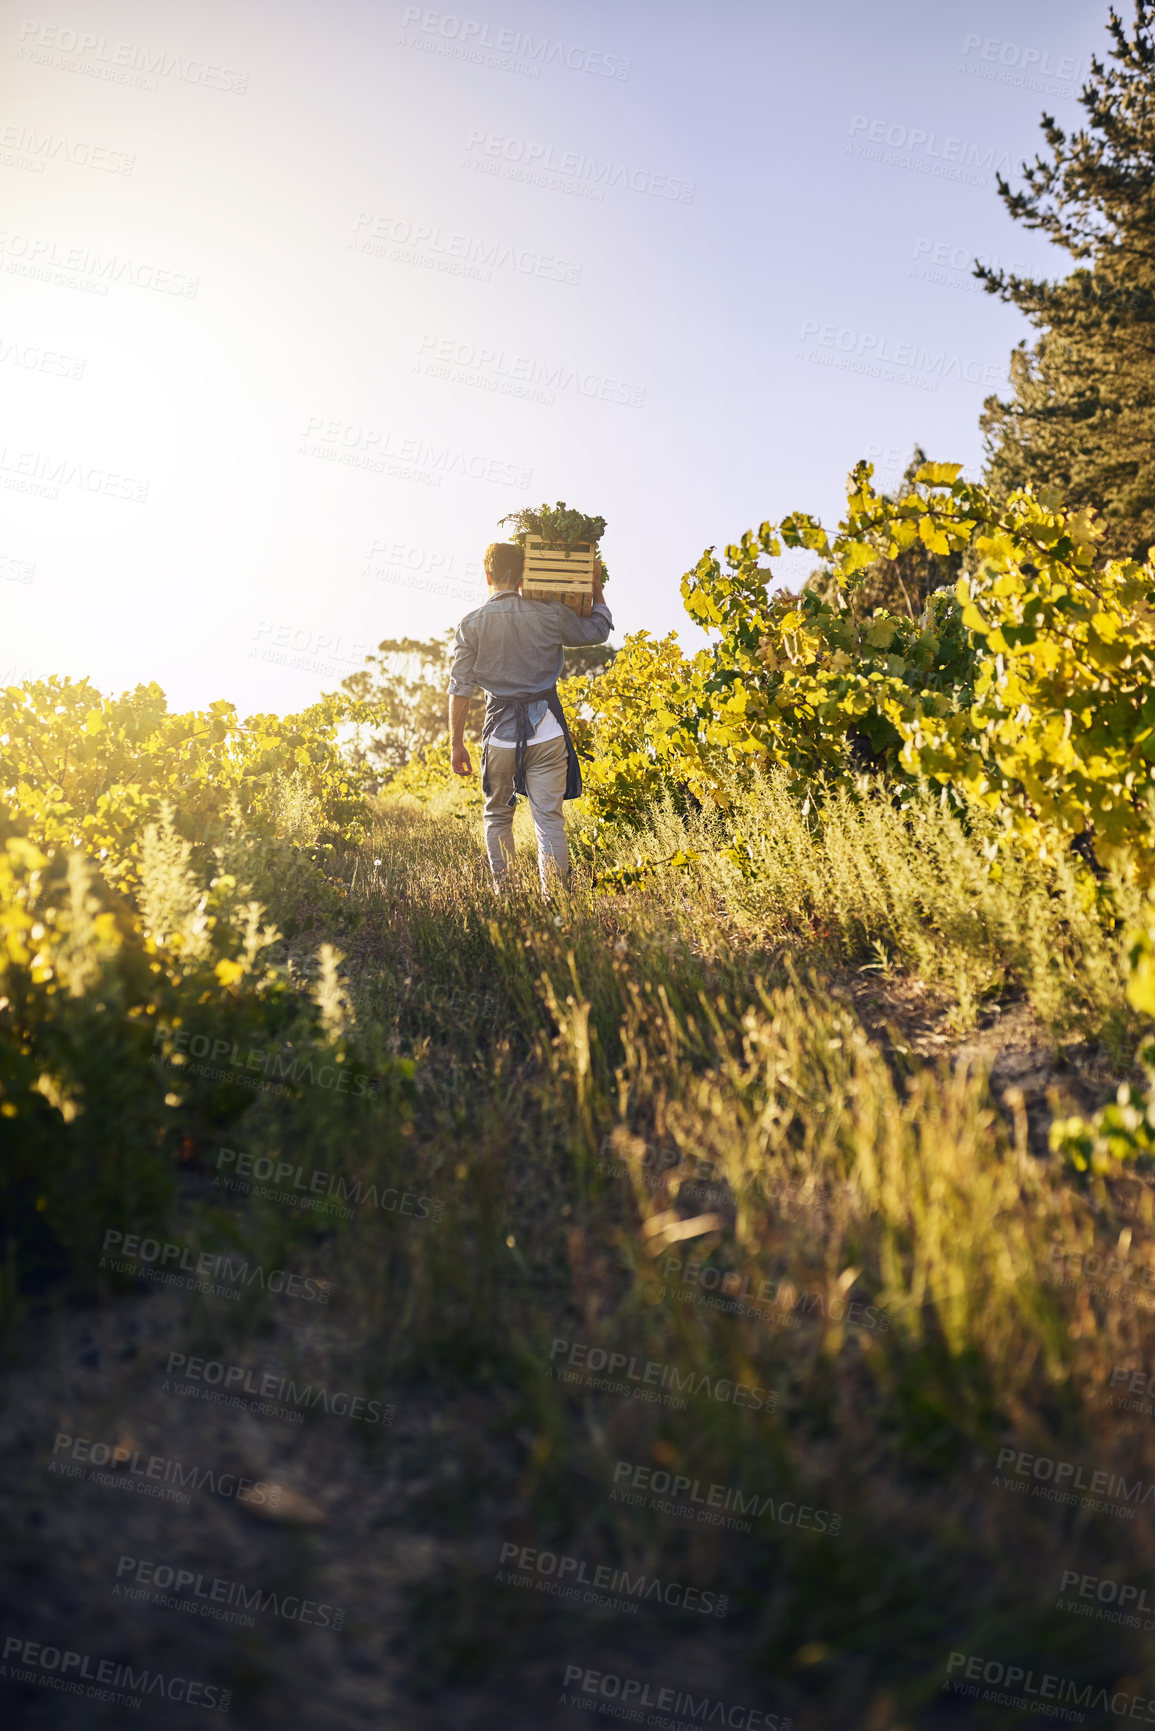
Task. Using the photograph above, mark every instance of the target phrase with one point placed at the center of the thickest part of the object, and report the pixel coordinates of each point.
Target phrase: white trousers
(545, 778)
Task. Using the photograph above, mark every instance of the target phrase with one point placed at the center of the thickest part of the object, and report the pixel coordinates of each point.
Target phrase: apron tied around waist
(499, 707)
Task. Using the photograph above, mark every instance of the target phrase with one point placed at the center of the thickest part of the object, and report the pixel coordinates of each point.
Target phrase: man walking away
(513, 649)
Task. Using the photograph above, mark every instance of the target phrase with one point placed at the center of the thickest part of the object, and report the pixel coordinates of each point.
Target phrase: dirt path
(340, 1608)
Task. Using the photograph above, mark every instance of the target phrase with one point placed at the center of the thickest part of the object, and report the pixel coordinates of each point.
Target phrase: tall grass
(864, 1240)
(652, 1125)
(862, 881)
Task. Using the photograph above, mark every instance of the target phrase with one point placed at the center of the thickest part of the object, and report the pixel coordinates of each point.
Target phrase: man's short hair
(504, 564)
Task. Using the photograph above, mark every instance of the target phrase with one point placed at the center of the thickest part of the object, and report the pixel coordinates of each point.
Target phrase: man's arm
(460, 692)
(575, 630)
(458, 756)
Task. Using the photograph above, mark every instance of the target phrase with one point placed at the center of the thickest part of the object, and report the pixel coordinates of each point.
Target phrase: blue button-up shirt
(511, 646)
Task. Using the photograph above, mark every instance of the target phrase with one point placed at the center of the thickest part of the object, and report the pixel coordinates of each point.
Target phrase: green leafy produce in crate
(558, 524)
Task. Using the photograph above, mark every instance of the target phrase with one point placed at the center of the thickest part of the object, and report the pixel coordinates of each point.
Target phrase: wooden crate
(551, 575)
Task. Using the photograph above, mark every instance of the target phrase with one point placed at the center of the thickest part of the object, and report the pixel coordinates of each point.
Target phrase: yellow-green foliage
(1125, 1129)
(1028, 691)
(625, 723)
(429, 776)
(1061, 733)
(90, 771)
(92, 994)
(138, 851)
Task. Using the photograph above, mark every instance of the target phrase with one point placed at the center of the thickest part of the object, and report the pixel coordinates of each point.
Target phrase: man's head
(504, 564)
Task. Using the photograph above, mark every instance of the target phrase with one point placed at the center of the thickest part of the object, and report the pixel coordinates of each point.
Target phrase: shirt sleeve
(461, 672)
(575, 630)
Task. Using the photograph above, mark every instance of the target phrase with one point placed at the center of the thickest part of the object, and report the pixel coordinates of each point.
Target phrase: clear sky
(300, 299)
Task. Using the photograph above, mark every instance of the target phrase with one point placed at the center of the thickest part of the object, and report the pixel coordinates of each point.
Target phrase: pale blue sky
(298, 300)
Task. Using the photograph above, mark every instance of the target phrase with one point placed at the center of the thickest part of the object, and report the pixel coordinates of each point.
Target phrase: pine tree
(1081, 418)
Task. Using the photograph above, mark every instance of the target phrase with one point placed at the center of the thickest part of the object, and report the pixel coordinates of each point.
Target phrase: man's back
(512, 647)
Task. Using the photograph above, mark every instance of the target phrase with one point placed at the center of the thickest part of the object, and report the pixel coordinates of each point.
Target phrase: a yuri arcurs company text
(265, 1392)
(171, 1263)
(719, 1505)
(107, 1680)
(623, 1697)
(159, 1476)
(144, 1581)
(600, 1584)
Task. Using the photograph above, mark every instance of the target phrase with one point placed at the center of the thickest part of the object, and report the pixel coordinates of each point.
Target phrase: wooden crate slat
(550, 576)
(577, 566)
(544, 561)
(580, 602)
(555, 583)
(581, 551)
(557, 586)
(581, 554)
(550, 580)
